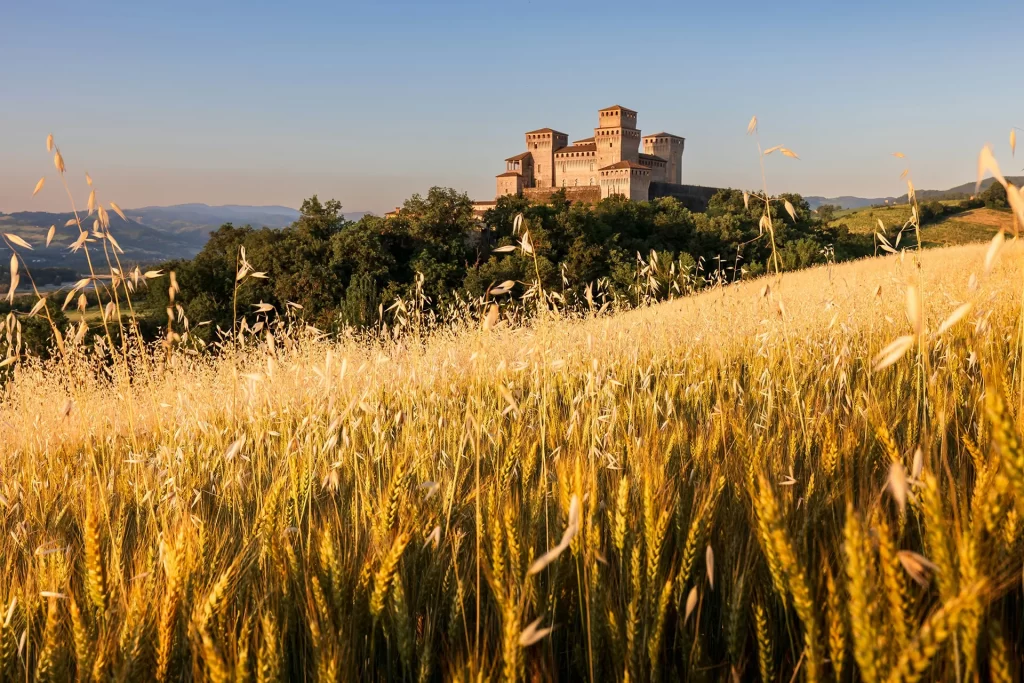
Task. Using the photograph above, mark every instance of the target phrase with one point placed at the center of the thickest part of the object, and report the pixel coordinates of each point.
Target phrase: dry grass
(291, 493)
(538, 502)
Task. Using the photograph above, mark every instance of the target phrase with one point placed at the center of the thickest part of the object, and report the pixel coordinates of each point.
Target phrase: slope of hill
(965, 191)
(847, 202)
(334, 495)
(975, 225)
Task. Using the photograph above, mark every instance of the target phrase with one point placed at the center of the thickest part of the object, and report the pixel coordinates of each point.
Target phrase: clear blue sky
(269, 102)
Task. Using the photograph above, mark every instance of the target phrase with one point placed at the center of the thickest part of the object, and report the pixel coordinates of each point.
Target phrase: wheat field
(817, 475)
(719, 487)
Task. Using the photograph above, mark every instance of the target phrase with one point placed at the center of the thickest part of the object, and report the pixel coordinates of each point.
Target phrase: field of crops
(720, 486)
(976, 225)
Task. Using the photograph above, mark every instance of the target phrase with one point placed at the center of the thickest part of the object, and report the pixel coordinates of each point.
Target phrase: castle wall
(509, 184)
(542, 146)
(693, 197)
(616, 144)
(590, 194)
(576, 167)
(523, 165)
(632, 183)
(657, 168)
(669, 148)
(616, 117)
(639, 185)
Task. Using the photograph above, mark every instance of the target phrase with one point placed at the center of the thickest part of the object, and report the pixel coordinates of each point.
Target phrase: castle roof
(544, 130)
(624, 164)
(519, 157)
(652, 157)
(507, 174)
(664, 135)
(583, 141)
(592, 147)
(618, 106)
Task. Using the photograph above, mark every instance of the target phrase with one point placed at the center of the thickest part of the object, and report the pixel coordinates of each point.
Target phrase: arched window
(591, 181)
(535, 145)
(591, 165)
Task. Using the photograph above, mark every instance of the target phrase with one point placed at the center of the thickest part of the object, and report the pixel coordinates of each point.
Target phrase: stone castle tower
(610, 162)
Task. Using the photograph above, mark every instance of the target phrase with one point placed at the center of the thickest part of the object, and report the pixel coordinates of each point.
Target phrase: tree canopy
(340, 272)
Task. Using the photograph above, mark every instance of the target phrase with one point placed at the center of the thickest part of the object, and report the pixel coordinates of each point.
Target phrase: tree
(361, 307)
(994, 196)
(827, 213)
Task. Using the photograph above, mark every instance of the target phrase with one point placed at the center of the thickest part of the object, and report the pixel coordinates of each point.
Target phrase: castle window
(591, 168)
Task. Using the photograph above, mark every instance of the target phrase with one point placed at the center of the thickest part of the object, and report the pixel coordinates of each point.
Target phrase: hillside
(848, 202)
(975, 225)
(724, 468)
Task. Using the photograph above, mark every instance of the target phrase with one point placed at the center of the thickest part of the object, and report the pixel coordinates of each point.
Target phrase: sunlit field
(813, 476)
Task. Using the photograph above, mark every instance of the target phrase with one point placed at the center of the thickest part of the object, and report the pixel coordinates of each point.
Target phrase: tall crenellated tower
(617, 137)
(542, 145)
(670, 148)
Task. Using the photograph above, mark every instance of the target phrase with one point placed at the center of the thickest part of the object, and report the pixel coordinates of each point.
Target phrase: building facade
(610, 162)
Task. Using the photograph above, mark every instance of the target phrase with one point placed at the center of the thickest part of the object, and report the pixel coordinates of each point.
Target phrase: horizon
(369, 105)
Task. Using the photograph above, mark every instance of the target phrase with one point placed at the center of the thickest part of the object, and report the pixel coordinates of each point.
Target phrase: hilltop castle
(608, 163)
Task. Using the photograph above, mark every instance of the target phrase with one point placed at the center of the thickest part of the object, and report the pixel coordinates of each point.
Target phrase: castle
(609, 163)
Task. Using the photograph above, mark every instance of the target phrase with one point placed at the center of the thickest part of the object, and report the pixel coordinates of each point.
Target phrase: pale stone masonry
(609, 162)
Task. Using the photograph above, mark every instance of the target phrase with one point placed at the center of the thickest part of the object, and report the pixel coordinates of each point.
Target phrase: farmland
(718, 483)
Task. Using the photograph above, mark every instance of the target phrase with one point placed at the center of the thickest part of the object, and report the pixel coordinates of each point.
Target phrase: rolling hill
(975, 225)
(152, 233)
(667, 433)
(141, 243)
(202, 218)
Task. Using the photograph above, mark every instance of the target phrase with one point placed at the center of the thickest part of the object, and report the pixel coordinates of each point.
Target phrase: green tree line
(340, 272)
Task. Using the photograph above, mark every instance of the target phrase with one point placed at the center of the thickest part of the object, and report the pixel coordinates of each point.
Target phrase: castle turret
(616, 136)
(670, 148)
(542, 145)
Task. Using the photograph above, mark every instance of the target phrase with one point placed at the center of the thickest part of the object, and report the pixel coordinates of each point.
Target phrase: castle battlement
(610, 161)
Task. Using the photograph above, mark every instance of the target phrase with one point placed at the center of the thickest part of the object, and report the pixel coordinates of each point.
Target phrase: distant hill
(964, 191)
(203, 219)
(152, 233)
(847, 202)
(142, 244)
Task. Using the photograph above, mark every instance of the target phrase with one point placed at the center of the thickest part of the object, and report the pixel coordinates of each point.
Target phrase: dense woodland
(346, 272)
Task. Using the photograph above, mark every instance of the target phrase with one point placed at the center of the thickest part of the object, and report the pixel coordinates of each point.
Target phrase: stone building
(609, 163)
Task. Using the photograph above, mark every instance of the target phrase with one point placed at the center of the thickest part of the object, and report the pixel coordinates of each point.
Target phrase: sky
(271, 102)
